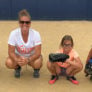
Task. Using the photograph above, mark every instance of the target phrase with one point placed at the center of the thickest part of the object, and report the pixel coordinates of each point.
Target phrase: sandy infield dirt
(51, 33)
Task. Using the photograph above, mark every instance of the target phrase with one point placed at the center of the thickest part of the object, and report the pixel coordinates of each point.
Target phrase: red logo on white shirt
(21, 49)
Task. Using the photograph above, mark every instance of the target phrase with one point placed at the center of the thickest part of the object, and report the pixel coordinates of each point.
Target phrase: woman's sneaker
(72, 79)
(53, 79)
(17, 72)
(36, 73)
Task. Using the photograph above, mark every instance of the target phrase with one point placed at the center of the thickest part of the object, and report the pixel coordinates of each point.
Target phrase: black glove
(88, 69)
(58, 57)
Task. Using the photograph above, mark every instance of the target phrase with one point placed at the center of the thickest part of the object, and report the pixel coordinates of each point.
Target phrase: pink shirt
(72, 55)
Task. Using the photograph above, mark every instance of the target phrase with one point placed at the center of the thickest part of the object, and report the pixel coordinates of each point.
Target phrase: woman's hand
(22, 61)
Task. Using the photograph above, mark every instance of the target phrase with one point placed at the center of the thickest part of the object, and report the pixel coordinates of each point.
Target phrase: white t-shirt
(22, 48)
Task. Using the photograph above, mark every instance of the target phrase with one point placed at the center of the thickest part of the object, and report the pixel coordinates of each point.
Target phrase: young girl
(70, 67)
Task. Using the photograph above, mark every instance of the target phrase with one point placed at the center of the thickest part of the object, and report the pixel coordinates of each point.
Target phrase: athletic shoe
(17, 72)
(53, 79)
(36, 73)
(73, 79)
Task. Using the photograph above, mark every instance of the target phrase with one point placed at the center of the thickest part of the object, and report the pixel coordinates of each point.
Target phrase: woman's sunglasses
(26, 22)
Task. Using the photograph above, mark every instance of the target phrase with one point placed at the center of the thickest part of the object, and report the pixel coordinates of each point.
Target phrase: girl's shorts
(63, 72)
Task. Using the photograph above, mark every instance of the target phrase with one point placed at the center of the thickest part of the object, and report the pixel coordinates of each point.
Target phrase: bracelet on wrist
(28, 60)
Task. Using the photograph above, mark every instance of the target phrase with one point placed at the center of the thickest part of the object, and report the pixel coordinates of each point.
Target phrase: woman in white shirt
(24, 46)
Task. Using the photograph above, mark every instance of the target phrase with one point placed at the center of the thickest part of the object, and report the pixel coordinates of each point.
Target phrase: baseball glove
(88, 69)
(58, 57)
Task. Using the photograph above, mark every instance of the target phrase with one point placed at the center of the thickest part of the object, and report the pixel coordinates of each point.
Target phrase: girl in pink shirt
(70, 67)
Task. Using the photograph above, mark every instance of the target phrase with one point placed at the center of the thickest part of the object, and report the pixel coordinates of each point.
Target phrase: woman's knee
(37, 63)
(9, 63)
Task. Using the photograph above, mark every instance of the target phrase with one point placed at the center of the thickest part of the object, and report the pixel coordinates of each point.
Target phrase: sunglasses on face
(67, 45)
(24, 22)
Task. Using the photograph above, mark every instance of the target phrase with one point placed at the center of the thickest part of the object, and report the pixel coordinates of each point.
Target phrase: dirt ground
(51, 33)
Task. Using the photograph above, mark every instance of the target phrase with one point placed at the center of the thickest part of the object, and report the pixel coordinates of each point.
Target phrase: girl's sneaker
(72, 79)
(53, 79)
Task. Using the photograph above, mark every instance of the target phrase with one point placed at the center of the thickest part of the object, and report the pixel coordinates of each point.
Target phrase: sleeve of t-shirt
(11, 40)
(76, 54)
(37, 39)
